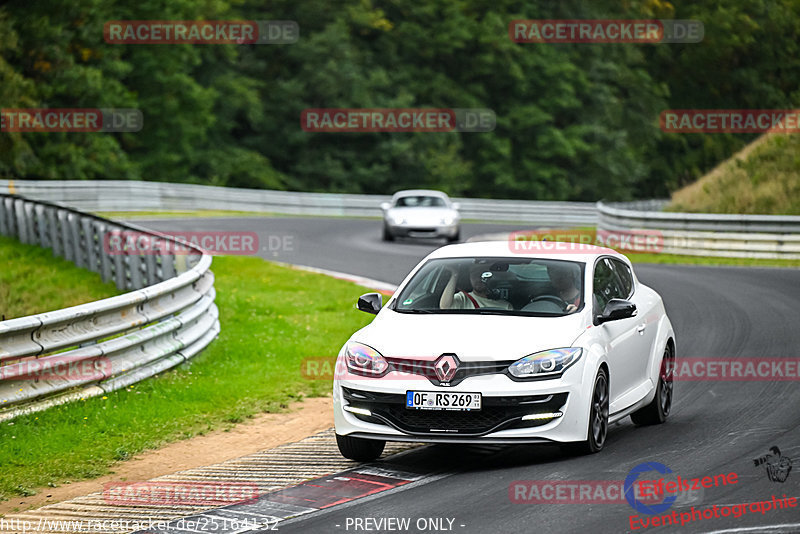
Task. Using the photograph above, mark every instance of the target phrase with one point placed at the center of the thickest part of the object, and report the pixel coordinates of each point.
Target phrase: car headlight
(397, 219)
(545, 364)
(447, 221)
(364, 360)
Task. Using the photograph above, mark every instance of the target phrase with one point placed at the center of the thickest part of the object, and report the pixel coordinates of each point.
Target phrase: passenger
(477, 298)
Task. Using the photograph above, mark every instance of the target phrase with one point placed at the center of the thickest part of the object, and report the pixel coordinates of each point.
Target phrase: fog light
(540, 416)
(359, 411)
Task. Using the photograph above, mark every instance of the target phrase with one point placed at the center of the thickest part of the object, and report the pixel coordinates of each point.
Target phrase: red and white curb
(272, 509)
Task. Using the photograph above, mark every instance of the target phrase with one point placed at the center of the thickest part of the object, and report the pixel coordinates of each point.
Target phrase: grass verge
(32, 281)
(272, 318)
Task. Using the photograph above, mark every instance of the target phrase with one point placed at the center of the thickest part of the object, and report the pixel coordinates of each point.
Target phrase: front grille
(441, 421)
(497, 413)
(465, 369)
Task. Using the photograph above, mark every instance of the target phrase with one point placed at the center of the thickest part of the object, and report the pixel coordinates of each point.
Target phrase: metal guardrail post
(150, 269)
(77, 245)
(3, 217)
(43, 238)
(104, 267)
(167, 265)
(30, 223)
(120, 278)
(90, 246)
(52, 231)
(63, 234)
(22, 228)
(134, 264)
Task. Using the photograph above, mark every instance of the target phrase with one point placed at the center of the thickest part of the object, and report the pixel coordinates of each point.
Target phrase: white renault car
(485, 344)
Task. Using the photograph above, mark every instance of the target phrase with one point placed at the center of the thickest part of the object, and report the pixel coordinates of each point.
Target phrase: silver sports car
(420, 213)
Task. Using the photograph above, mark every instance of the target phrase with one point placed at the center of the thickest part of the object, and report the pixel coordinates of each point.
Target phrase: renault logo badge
(446, 367)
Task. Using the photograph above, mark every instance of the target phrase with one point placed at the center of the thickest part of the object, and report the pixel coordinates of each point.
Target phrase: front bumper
(497, 413)
(504, 403)
(421, 231)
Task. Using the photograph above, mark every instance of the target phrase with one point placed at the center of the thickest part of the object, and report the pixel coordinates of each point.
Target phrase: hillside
(763, 178)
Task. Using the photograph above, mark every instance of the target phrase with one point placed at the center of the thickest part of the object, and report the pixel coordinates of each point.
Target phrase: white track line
(360, 280)
(362, 500)
(765, 528)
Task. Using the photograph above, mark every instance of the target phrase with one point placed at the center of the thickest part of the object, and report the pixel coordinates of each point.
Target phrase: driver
(477, 298)
(563, 278)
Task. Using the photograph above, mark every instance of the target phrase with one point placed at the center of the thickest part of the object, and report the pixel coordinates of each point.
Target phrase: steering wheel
(551, 298)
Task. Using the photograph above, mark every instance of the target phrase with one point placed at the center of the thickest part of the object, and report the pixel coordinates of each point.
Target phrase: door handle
(641, 328)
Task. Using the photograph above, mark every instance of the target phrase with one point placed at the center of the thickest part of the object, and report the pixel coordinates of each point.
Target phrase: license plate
(436, 400)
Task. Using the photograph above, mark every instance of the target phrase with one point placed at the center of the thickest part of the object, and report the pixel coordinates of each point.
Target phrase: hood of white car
(420, 216)
(470, 337)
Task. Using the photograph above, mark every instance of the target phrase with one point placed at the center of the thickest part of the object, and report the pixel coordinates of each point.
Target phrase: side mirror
(456, 206)
(616, 309)
(370, 302)
(385, 206)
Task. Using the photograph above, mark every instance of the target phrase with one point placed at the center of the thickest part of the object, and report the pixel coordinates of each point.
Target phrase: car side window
(606, 285)
(625, 277)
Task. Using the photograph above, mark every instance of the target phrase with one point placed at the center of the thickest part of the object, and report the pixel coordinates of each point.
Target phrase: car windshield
(420, 202)
(495, 286)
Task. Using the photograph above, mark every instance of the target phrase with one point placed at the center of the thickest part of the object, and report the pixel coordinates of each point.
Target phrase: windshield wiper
(414, 310)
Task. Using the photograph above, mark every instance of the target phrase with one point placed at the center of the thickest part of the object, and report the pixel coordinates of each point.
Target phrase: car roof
(419, 192)
(526, 249)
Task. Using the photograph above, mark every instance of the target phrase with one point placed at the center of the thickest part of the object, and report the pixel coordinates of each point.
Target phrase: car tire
(454, 238)
(387, 235)
(657, 411)
(598, 419)
(359, 449)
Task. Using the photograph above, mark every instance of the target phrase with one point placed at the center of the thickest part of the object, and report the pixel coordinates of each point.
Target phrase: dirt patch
(264, 431)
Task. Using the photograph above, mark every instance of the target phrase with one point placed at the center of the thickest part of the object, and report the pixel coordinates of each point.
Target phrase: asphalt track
(715, 427)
